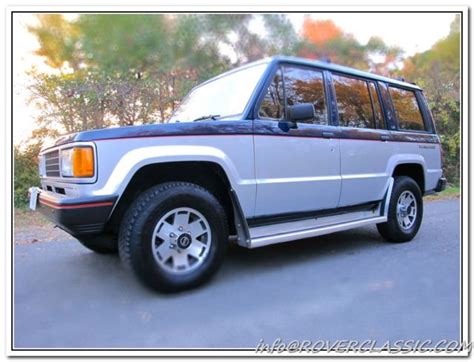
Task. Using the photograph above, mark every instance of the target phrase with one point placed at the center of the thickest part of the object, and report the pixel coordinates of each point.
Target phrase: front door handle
(329, 134)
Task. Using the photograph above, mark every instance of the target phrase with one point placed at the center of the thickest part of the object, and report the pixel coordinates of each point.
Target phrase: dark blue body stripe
(239, 128)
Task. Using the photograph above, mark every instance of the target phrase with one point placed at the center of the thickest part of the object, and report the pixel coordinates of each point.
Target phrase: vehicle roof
(342, 69)
(315, 63)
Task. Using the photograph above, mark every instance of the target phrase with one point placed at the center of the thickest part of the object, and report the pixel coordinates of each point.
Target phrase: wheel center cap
(184, 241)
(404, 211)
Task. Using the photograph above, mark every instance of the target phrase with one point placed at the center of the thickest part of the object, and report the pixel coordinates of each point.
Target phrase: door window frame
(428, 128)
(281, 67)
(367, 82)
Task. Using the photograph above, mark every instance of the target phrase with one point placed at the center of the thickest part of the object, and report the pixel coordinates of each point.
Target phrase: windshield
(226, 96)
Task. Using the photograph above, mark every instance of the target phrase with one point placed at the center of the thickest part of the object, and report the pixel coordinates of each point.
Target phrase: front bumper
(77, 216)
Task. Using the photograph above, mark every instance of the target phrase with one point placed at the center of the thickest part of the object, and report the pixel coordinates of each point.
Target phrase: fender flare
(137, 158)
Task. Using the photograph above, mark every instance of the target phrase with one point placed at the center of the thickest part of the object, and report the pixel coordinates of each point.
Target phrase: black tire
(392, 230)
(102, 244)
(140, 220)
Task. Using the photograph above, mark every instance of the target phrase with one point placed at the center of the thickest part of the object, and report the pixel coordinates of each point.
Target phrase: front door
(297, 169)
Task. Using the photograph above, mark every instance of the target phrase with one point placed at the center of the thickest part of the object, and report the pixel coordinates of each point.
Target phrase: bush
(25, 173)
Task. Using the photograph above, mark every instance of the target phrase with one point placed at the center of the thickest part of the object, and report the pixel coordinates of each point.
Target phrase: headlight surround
(77, 162)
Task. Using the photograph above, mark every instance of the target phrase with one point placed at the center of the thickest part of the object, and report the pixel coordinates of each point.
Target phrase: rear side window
(407, 109)
(273, 106)
(305, 85)
(353, 102)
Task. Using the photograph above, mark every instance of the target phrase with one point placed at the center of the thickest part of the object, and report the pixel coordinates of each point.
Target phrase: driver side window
(306, 85)
(300, 85)
(273, 105)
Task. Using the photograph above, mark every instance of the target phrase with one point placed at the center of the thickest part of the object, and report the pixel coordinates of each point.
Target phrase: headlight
(77, 162)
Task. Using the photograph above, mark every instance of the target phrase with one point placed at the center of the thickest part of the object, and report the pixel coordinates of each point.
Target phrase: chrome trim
(388, 196)
(308, 233)
(311, 222)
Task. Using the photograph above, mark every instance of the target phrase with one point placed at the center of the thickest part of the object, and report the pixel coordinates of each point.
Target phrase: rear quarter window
(407, 109)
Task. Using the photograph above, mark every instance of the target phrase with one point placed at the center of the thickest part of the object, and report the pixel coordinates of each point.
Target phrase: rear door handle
(384, 137)
(329, 134)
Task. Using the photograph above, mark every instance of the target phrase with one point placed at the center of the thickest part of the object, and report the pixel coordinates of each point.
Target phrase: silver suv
(274, 151)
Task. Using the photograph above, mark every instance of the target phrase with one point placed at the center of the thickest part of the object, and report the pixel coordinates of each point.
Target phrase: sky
(413, 32)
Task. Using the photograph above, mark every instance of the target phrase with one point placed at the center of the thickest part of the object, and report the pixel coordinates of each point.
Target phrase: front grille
(52, 163)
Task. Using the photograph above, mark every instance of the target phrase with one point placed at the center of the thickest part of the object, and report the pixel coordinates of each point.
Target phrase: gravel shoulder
(32, 227)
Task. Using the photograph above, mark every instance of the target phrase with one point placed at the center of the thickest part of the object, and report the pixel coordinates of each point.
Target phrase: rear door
(365, 141)
(297, 169)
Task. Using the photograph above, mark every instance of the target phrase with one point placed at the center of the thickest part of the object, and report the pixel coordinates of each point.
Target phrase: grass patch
(451, 192)
(25, 217)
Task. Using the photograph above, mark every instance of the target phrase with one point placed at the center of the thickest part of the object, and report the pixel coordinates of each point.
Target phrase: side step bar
(308, 233)
(299, 229)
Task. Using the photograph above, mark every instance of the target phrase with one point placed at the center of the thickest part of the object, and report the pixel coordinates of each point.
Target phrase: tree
(131, 69)
(323, 39)
(58, 40)
(437, 71)
(70, 102)
(25, 172)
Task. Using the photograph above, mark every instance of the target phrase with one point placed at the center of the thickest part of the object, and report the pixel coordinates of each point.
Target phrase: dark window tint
(406, 109)
(304, 85)
(353, 102)
(377, 107)
(273, 105)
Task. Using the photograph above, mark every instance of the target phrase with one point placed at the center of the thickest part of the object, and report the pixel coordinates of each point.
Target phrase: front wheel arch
(209, 175)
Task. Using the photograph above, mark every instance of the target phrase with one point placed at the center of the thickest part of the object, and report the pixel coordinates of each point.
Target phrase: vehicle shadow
(311, 249)
(239, 262)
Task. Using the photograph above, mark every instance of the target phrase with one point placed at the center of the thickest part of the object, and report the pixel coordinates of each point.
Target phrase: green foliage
(125, 69)
(57, 39)
(25, 173)
(437, 71)
(133, 69)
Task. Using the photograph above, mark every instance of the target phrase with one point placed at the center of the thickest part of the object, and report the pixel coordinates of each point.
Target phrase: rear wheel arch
(413, 170)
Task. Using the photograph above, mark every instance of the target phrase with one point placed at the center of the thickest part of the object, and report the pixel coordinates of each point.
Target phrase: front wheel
(405, 211)
(174, 236)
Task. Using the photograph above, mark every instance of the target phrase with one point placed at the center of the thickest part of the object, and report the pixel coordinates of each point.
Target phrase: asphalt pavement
(346, 286)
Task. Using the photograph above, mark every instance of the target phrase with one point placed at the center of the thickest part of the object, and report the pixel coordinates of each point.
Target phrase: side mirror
(300, 112)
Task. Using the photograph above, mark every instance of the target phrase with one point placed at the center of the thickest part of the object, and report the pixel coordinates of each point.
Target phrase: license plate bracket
(34, 193)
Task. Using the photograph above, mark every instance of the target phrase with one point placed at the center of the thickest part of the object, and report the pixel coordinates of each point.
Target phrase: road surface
(351, 285)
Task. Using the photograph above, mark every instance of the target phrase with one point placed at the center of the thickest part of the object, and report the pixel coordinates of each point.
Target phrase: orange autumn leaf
(319, 32)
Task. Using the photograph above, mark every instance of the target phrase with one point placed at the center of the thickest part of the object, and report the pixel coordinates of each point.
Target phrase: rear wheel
(174, 236)
(405, 211)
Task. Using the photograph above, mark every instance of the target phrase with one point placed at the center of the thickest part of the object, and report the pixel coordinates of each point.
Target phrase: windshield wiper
(210, 116)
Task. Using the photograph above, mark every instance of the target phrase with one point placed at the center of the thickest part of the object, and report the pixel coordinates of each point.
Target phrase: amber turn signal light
(83, 162)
